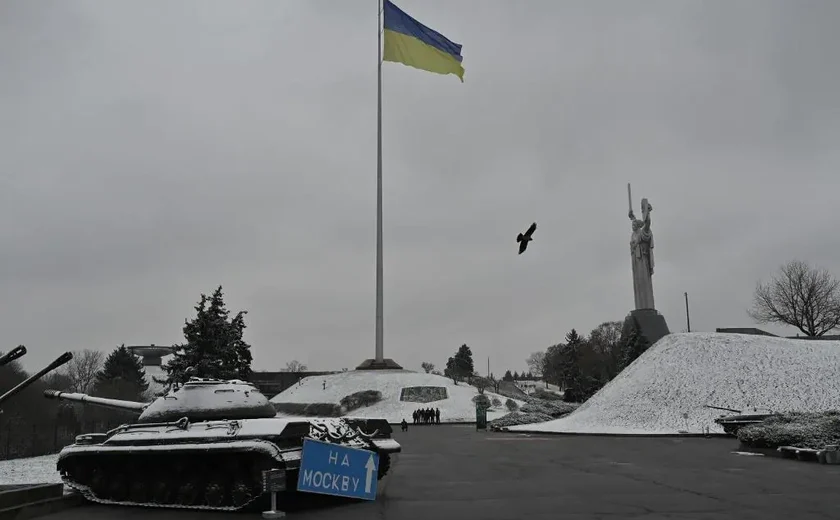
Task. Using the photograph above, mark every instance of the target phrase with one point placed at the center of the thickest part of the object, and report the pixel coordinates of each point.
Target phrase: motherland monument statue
(644, 318)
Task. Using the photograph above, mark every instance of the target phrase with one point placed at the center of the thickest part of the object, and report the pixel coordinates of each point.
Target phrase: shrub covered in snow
(511, 405)
(481, 400)
(358, 399)
(535, 411)
(309, 409)
(553, 408)
(542, 393)
(512, 419)
(800, 429)
(423, 394)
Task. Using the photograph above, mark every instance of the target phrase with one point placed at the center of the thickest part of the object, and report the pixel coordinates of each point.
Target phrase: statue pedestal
(373, 364)
(648, 323)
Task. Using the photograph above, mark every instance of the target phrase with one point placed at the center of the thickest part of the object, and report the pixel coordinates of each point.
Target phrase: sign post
(274, 480)
(480, 417)
(333, 469)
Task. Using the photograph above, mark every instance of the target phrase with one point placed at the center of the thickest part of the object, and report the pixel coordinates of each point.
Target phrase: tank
(20, 351)
(203, 445)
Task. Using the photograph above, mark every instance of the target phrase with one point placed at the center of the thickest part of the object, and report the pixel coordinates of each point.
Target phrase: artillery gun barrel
(60, 360)
(12, 355)
(114, 404)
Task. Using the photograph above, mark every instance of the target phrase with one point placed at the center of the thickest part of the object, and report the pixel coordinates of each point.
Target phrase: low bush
(554, 409)
(357, 400)
(511, 405)
(309, 409)
(496, 401)
(800, 429)
(542, 393)
(515, 418)
(481, 400)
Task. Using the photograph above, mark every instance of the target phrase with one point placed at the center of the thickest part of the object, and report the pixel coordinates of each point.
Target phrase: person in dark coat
(437, 415)
(404, 425)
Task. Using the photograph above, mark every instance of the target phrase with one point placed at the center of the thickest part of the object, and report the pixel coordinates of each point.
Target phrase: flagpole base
(374, 364)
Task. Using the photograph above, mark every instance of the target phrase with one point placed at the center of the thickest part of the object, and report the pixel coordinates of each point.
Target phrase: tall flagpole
(379, 318)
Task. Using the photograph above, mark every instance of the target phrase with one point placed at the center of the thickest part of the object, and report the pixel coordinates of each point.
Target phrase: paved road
(454, 472)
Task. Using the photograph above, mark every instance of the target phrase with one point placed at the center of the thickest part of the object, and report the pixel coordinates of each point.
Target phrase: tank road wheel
(189, 491)
(99, 482)
(240, 493)
(138, 491)
(162, 491)
(118, 487)
(215, 491)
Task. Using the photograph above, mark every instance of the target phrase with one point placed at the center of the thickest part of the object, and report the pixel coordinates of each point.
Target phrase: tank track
(214, 480)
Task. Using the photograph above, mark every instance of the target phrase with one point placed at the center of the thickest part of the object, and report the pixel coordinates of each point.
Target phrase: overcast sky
(150, 151)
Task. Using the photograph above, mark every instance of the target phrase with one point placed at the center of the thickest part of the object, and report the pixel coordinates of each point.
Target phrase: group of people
(423, 416)
(426, 416)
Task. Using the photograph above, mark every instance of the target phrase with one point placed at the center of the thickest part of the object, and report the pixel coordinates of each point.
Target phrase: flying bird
(524, 238)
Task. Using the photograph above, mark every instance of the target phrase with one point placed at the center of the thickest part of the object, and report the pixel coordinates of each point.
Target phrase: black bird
(524, 238)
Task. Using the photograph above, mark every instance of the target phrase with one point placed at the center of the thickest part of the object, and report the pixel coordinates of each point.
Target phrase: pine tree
(122, 376)
(633, 346)
(464, 361)
(570, 362)
(508, 376)
(214, 348)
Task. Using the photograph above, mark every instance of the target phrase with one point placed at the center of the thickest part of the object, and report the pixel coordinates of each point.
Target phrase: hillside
(682, 373)
(402, 392)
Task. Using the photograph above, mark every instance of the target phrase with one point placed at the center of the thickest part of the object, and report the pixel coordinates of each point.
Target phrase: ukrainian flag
(411, 43)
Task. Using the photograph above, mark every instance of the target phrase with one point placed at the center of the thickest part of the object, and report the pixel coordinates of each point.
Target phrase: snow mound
(30, 470)
(666, 390)
(394, 385)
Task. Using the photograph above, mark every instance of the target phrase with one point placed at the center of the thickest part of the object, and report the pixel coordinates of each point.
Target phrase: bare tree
(800, 296)
(481, 383)
(295, 366)
(82, 369)
(495, 383)
(535, 363)
(428, 367)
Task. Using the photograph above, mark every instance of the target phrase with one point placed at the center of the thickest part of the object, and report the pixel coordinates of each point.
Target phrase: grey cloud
(147, 156)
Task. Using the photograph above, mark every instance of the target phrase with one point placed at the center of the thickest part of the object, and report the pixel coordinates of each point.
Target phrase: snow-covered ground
(32, 470)
(666, 389)
(457, 407)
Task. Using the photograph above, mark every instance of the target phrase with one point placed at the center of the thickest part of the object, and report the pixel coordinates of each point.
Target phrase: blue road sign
(332, 469)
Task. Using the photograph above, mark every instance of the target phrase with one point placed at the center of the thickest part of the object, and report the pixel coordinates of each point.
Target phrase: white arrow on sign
(370, 466)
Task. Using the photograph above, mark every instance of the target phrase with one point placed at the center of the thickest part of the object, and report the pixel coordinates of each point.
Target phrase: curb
(42, 507)
(638, 435)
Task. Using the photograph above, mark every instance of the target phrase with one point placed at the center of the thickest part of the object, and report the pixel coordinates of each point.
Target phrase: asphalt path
(455, 472)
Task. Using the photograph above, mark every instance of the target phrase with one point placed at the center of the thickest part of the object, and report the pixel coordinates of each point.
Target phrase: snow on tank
(198, 399)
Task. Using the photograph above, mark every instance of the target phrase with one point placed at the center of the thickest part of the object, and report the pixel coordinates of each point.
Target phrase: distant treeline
(32, 425)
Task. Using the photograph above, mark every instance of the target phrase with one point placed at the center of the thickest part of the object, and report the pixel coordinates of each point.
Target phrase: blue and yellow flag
(411, 43)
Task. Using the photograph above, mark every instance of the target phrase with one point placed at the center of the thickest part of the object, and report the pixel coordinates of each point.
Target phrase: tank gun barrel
(59, 361)
(114, 404)
(12, 355)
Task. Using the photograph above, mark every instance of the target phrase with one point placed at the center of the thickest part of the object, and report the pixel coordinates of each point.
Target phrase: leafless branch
(82, 369)
(800, 296)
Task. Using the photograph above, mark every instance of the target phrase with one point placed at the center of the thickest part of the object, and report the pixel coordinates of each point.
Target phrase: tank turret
(60, 360)
(12, 355)
(204, 445)
(197, 400)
